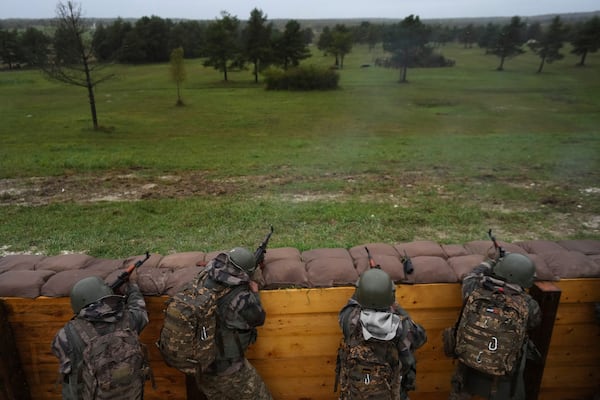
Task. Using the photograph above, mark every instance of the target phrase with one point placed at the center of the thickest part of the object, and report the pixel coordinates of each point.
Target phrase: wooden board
(296, 348)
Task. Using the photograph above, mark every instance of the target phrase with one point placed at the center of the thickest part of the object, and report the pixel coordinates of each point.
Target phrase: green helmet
(516, 268)
(242, 259)
(375, 290)
(87, 291)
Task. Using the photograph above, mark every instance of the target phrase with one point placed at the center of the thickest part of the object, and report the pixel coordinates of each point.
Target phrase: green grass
(454, 152)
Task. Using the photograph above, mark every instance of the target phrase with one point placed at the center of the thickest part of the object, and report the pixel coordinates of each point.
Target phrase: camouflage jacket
(412, 334)
(102, 315)
(239, 312)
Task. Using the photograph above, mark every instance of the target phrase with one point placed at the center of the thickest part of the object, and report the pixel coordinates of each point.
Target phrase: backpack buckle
(204, 334)
(493, 344)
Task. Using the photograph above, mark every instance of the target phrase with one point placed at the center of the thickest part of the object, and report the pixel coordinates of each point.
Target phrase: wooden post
(13, 384)
(548, 297)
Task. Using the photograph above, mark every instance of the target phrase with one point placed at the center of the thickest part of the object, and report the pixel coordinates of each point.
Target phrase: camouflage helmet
(375, 290)
(87, 291)
(241, 258)
(516, 268)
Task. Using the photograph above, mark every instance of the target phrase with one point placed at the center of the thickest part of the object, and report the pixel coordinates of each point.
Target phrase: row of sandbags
(30, 276)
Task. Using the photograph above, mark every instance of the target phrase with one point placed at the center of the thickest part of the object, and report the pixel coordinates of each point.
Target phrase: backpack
(367, 369)
(492, 329)
(188, 339)
(114, 362)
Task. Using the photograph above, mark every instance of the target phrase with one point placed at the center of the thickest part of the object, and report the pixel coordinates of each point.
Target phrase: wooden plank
(13, 382)
(584, 290)
(547, 296)
(297, 346)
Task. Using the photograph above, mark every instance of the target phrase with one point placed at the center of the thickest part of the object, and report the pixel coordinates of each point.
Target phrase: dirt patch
(108, 187)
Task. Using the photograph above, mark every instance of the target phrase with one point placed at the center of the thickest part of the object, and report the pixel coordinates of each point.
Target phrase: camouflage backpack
(367, 369)
(188, 338)
(492, 329)
(114, 362)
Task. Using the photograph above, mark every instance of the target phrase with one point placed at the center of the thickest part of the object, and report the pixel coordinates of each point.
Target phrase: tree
(488, 36)
(290, 46)
(34, 44)
(178, 71)
(509, 41)
(72, 60)
(550, 42)
(9, 48)
(257, 44)
(223, 44)
(586, 39)
(467, 36)
(108, 42)
(342, 43)
(407, 41)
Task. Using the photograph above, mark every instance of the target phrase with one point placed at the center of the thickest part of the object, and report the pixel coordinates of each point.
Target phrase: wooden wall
(296, 348)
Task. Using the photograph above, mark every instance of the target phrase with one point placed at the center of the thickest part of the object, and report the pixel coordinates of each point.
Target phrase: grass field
(454, 152)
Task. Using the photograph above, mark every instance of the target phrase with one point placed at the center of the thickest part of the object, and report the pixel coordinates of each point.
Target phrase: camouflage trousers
(245, 384)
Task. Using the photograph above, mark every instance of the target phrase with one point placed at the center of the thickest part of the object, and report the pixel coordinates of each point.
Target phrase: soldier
(239, 312)
(505, 280)
(113, 322)
(376, 357)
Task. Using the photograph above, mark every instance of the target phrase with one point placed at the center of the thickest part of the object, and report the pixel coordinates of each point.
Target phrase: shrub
(301, 78)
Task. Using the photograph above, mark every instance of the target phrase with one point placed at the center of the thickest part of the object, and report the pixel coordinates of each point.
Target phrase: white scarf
(379, 324)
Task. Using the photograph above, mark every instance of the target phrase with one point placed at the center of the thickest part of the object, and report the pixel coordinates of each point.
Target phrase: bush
(301, 78)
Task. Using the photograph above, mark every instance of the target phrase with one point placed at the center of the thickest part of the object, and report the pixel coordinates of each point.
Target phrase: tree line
(76, 51)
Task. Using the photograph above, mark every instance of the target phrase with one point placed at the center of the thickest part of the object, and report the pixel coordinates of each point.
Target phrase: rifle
(372, 263)
(500, 252)
(124, 276)
(259, 254)
(407, 263)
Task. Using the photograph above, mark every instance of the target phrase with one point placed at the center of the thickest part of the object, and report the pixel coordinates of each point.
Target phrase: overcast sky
(305, 9)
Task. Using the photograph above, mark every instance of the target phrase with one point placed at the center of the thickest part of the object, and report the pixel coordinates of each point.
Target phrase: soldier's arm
(136, 306)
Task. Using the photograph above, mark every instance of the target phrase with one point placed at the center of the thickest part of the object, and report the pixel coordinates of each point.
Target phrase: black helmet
(241, 258)
(375, 290)
(87, 291)
(516, 268)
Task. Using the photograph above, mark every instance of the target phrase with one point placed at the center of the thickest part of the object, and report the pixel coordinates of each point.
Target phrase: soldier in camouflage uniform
(231, 376)
(94, 301)
(513, 269)
(372, 314)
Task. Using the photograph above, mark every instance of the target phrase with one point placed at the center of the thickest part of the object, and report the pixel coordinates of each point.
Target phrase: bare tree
(72, 60)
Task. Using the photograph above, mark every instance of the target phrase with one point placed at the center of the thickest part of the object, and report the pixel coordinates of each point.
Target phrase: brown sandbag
(540, 246)
(60, 284)
(486, 248)
(588, 247)
(357, 252)
(179, 277)
(310, 255)
(571, 264)
(23, 283)
(420, 248)
(462, 265)
(331, 271)
(430, 269)
(282, 253)
(65, 262)
(183, 260)
(285, 273)
(454, 250)
(18, 262)
(390, 264)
